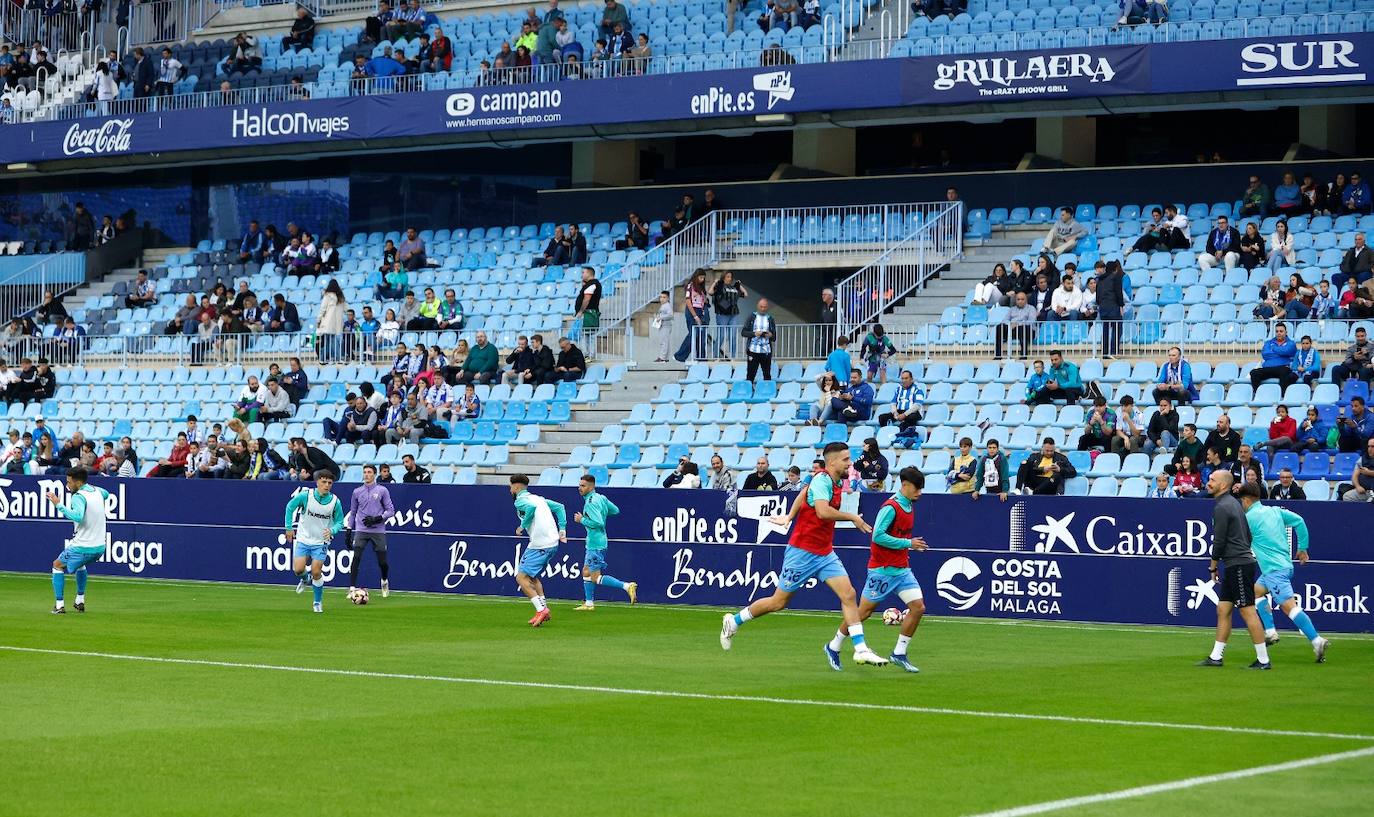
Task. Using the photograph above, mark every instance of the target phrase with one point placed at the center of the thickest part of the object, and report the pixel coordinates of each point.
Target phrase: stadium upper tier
(692, 36)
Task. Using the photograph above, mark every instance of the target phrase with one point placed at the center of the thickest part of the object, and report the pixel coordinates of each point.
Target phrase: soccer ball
(358, 596)
(892, 616)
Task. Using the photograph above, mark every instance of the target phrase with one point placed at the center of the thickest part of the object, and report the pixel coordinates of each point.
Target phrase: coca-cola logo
(113, 136)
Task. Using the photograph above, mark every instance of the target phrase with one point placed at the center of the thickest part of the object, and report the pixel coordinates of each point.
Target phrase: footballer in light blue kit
(546, 522)
(1269, 527)
(313, 519)
(889, 565)
(596, 509)
(85, 508)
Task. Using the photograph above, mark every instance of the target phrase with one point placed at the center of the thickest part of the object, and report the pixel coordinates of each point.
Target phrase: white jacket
(330, 321)
(1284, 246)
(1063, 298)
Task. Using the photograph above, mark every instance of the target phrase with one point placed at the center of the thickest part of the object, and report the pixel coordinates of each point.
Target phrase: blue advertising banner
(1326, 60)
(1058, 558)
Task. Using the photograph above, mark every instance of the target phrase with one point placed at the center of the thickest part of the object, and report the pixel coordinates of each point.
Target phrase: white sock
(61, 604)
(1271, 632)
(838, 641)
(745, 615)
(856, 633)
(538, 602)
(902, 642)
(80, 598)
(1262, 652)
(1217, 649)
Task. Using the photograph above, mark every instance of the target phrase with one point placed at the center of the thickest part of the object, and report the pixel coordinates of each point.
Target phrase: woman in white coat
(106, 89)
(329, 323)
(1281, 248)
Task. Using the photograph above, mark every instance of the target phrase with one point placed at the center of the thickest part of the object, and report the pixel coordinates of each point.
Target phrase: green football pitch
(173, 698)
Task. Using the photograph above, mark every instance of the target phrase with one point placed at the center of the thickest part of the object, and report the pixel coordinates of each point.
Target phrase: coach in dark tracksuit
(1235, 585)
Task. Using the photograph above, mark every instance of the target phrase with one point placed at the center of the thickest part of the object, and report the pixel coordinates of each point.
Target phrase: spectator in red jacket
(441, 51)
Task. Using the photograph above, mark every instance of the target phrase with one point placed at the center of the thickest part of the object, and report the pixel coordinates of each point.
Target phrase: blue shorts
(880, 585)
(595, 560)
(533, 561)
(1279, 584)
(800, 566)
(316, 553)
(74, 560)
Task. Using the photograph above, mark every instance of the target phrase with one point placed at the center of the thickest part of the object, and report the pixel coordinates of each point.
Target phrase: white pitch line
(695, 696)
(1176, 785)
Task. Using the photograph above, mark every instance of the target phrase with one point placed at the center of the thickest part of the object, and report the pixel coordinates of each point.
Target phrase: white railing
(639, 282)
(803, 237)
(1139, 340)
(904, 267)
(23, 289)
(167, 21)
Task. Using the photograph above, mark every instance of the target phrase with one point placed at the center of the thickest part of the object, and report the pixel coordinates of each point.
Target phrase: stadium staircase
(952, 283)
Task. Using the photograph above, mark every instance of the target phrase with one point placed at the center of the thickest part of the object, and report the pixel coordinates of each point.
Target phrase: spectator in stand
(1211, 463)
(1298, 297)
(482, 365)
(1162, 431)
(1307, 363)
(415, 420)
(1161, 489)
(412, 250)
(1324, 305)
(295, 92)
(1357, 263)
(407, 21)
(786, 14)
(1356, 197)
(1044, 266)
(1020, 324)
(614, 14)
(1276, 359)
(144, 292)
(521, 360)
(1288, 200)
(828, 320)
(1252, 252)
(327, 260)
(440, 52)
(302, 32)
(726, 293)
(1153, 237)
(1286, 488)
(426, 313)
(1224, 440)
(1175, 380)
(1355, 426)
(1067, 301)
(698, 314)
(571, 364)
(876, 350)
(468, 406)
(1283, 432)
(855, 403)
(451, 312)
(168, 74)
(587, 309)
(1063, 234)
(1187, 478)
(1190, 445)
(1175, 232)
(1312, 433)
(1256, 200)
(295, 381)
(761, 478)
(824, 406)
(51, 310)
(1358, 302)
(907, 406)
(207, 336)
(1046, 472)
(1281, 249)
(250, 401)
(686, 476)
(414, 474)
(1272, 300)
(243, 54)
(1062, 382)
(759, 331)
(1362, 478)
(329, 323)
(576, 246)
(106, 233)
(636, 234)
(1041, 297)
(1335, 194)
(996, 289)
(792, 482)
(1313, 194)
(556, 251)
(1130, 428)
(1099, 428)
(355, 425)
(872, 465)
(1223, 246)
(1357, 363)
(720, 478)
(394, 284)
(276, 403)
(82, 229)
(174, 465)
(991, 475)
